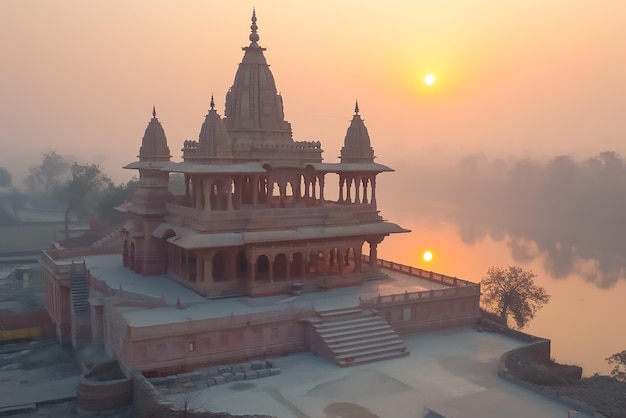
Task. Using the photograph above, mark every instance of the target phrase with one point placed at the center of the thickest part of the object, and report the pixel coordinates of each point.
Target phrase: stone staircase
(80, 294)
(352, 336)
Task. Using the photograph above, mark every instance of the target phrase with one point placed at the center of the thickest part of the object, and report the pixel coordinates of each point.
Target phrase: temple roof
(356, 146)
(189, 238)
(154, 143)
(213, 145)
(253, 105)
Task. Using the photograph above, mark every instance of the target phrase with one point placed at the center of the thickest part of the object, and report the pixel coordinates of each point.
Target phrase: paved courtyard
(450, 372)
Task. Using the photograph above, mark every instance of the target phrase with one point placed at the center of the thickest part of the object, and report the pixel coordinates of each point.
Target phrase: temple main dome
(254, 109)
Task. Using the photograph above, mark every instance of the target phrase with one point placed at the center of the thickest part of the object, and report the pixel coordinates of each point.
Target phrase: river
(585, 323)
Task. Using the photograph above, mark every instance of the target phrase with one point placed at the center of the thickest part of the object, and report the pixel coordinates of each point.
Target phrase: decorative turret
(142, 252)
(356, 146)
(254, 110)
(213, 145)
(154, 143)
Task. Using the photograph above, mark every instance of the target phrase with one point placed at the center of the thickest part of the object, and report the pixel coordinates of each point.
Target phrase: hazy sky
(524, 78)
(504, 149)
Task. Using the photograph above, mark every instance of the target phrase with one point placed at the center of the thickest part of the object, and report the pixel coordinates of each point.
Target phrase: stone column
(229, 195)
(341, 181)
(270, 272)
(373, 252)
(208, 267)
(374, 191)
(207, 195)
(322, 198)
(365, 180)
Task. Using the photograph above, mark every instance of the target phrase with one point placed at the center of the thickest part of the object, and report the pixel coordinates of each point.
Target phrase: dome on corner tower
(254, 109)
(356, 147)
(213, 143)
(154, 143)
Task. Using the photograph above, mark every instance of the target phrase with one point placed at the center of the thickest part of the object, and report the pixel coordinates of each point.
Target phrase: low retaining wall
(104, 388)
(538, 351)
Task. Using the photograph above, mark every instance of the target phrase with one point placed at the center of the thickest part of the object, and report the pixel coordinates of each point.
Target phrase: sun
(427, 256)
(429, 79)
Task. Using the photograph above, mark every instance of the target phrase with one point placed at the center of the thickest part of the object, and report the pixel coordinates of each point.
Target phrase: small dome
(213, 141)
(356, 146)
(154, 142)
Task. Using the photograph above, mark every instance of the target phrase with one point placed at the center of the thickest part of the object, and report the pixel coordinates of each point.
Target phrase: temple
(255, 256)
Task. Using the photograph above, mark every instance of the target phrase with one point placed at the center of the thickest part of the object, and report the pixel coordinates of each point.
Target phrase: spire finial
(356, 108)
(212, 102)
(254, 37)
(153, 111)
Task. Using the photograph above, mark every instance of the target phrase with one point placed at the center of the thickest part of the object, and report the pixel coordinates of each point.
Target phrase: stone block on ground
(219, 379)
(239, 376)
(223, 369)
(274, 371)
(257, 364)
(196, 376)
(229, 377)
(212, 371)
(235, 368)
(251, 374)
(263, 372)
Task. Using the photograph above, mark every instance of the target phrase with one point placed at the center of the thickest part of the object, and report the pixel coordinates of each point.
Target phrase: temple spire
(356, 108)
(212, 102)
(254, 36)
(153, 111)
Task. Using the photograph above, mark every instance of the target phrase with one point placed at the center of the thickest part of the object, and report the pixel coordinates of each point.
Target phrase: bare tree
(512, 292)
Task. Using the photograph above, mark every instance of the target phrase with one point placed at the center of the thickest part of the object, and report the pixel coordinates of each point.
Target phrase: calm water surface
(585, 323)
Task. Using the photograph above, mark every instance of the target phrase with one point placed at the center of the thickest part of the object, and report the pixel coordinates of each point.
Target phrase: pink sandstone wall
(188, 345)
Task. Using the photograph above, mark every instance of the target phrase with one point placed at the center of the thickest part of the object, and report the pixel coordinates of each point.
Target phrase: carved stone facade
(254, 219)
(255, 215)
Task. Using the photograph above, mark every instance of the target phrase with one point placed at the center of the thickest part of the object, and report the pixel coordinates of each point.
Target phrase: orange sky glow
(513, 78)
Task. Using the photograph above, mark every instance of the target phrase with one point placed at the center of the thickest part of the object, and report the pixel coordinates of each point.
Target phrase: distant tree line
(80, 190)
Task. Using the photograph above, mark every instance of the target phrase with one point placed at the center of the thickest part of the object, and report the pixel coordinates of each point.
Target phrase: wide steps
(352, 332)
(336, 313)
(361, 350)
(353, 336)
(359, 342)
(326, 325)
(354, 361)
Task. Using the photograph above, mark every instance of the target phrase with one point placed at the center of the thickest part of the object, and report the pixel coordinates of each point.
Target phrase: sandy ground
(451, 372)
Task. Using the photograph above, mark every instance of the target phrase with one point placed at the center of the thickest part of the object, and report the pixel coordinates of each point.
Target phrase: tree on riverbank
(511, 293)
(618, 361)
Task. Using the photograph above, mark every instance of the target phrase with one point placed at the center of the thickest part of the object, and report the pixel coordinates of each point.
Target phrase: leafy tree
(79, 191)
(49, 173)
(5, 178)
(512, 292)
(110, 198)
(618, 361)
